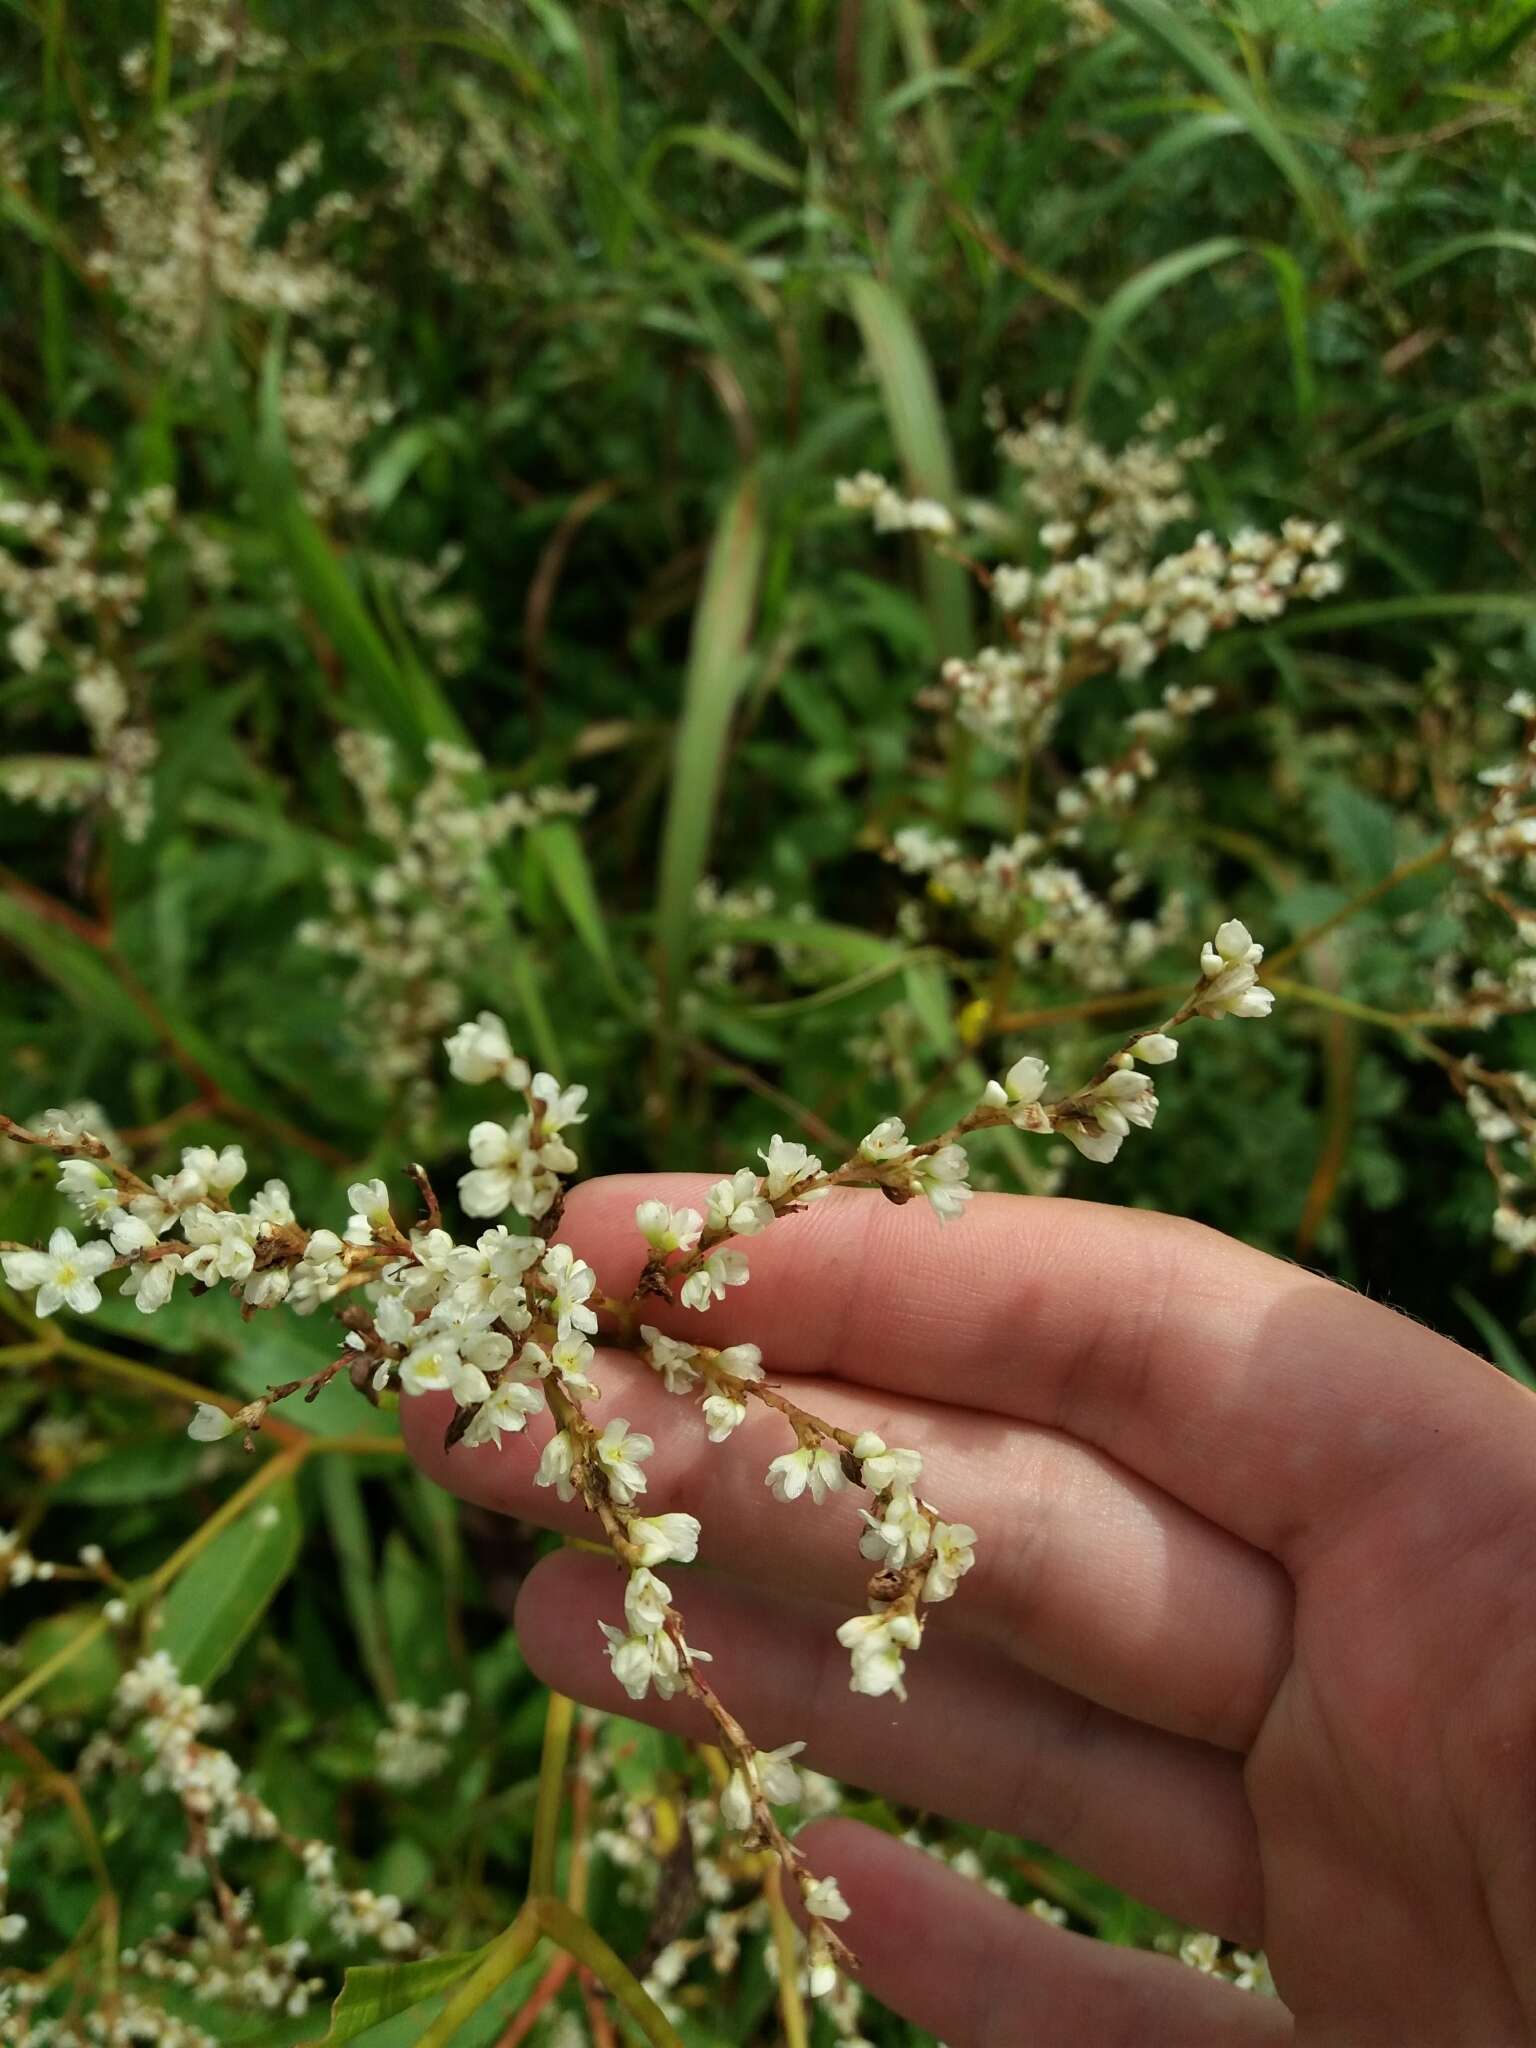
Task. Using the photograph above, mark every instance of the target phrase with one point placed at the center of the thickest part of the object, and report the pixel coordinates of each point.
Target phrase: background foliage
(636, 285)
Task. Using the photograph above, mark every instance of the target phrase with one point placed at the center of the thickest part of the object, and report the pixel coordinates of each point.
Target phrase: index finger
(1271, 1400)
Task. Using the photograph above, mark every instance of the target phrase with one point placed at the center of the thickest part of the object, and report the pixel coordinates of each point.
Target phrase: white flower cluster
(70, 581)
(227, 1960)
(1099, 1117)
(329, 409)
(891, 512)
(18, 1567)
(172, 1718)
(1103, 602)
(1042, 906)
(12, 1925)
(505, 1326)
(412, 926)
(415, 1746)
(1247, 1972)
(131, 2021)
(182, 233)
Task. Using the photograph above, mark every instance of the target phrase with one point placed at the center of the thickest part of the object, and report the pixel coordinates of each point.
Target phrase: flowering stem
(1420, 864)
(542, 1917)
(1404, 1023)
(546, 1820)
(791, 2005)
(62, 1787)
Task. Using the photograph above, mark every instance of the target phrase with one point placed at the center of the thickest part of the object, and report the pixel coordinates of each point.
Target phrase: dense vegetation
(425, 588)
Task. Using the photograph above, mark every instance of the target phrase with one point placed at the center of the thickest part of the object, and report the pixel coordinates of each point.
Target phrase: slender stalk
(546, 1820)
(507, 1953)
(1420, 864)
(791, 2005)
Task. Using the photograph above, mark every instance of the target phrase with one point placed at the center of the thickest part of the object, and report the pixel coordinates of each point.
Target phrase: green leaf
(346, 1518)
(1163, 27)
(86, 1682)
(1461, 245)
(724, 145)
(222, 1594)
(1361, 833)
(1133, 298)
(76, 968)
(403, 697)
(558, 849)
(1502, 1348)
(916, 418)
(717, 671)
(371, 1992)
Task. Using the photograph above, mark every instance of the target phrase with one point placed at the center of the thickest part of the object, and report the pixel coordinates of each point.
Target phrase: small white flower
(480, 1051)
(665, 1539)
(1229, 963)
(954, 1552)
(370, 1219)
(815, 1466)
(149, 1283)
(506, 1412)
(12, 1926)
(1201, 1952)
(875, 1642)
(1019, 1093)
(560, 1106)
(271, 1206)
(571, 1281)
(898, 1536)
(129, 1233)
(646, 1600)
(788, 1164)
(672, 1359)
(64, 1275)
(666, 1229)
(568, 1361)
(209, 1424)
(720, 1270)
(941, 1176)
(393, 1320)
(430, 1364)
(823, 1900)
(93, 1192)
(887, 1141)
(555, 1467)
(884, 1468)
(1025, 1080)
(642, 1661)
(1093, 1141)
(722, 1414)
(1155, 1049)
(737, 1205)
(742, 1361)
(771, 1774)
(620, 1451)
(821, 1972)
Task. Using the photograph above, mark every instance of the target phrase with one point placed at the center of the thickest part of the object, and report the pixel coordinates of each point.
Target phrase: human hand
(1251, 1631)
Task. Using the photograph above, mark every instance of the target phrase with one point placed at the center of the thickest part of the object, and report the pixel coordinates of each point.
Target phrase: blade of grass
(1461, 245)
(916, 420)
(1502, 1348)
(1158, 24)
(403, 697)
(55, 326)
(717, 671)
(558, 849)
(1133, 298)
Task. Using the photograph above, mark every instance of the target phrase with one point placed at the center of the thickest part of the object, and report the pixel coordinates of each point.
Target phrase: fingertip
(424, 1420)
(558, 1608)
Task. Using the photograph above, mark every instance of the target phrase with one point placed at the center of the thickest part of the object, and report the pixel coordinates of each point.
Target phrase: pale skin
(1251, 1632)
